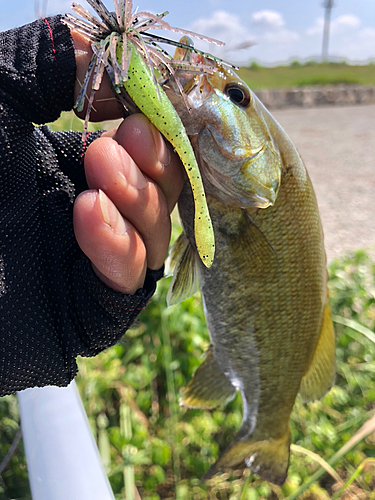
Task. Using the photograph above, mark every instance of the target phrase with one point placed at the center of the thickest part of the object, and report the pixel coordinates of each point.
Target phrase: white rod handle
(62, 457)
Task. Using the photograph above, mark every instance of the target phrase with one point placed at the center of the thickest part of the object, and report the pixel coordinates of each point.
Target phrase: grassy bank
(258, 77)
(136, 385)
(296, 74)
(131, 392)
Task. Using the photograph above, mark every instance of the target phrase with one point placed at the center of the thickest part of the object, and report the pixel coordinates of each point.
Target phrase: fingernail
(162, 152)
(132, 173)
(111, 215)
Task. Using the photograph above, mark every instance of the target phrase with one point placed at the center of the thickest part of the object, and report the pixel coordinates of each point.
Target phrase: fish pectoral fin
(321, 372)
(261, 254)
(182, 262)
(269, 458)
(209, 387)
(175, 253)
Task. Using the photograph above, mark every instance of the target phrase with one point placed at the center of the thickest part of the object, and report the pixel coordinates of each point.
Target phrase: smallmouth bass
(265, 295)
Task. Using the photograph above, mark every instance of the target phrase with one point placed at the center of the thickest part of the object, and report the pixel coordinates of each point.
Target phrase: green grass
(130, 393)
(131, 390)
(69, 121)
(258, 77)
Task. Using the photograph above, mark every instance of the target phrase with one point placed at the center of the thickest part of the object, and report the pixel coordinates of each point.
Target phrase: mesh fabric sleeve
(52, 305)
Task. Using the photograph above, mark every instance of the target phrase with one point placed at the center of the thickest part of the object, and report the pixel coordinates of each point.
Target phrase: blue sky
(281, 29)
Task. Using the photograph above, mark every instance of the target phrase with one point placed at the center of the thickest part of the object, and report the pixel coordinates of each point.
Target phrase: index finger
(153, 155)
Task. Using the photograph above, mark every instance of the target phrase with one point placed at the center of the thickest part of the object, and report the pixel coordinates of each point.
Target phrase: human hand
(105, 106)
(125, 227)
(123, 222)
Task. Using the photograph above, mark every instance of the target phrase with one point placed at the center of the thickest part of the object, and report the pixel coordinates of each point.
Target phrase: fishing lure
(129, 55)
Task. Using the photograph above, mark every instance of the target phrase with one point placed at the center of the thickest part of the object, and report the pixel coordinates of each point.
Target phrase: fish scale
(265, 295)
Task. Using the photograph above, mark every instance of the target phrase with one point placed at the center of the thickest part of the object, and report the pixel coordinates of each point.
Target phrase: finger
(105, 106)
(153, 155)
(140, 201)
(114, 247)
(109, 133)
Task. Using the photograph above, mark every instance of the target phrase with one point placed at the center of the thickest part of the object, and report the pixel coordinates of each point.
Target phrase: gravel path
(338, 147)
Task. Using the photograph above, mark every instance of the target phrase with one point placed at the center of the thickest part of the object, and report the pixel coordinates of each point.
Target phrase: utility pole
(328, 4)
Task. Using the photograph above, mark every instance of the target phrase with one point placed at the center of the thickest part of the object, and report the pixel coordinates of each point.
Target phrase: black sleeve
(37, 70)
(52, 305)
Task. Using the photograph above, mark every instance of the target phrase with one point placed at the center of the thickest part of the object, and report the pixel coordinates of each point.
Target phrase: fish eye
(238, 94)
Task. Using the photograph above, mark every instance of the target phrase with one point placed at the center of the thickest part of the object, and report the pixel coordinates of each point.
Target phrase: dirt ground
(338, 147)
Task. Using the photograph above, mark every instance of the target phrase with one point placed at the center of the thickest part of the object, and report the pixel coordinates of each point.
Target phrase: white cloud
(274, 38)
(367, 34)
(339, 25)
(346, 21)
(350, 38)
(282, 36)
(269, 18)
(228, 28)
(218, 21)
(357, 46)
(316, 28)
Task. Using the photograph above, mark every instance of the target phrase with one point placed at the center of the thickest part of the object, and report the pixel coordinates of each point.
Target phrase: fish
(265, 295)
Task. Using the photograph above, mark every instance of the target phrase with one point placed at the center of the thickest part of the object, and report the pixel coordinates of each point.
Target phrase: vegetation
(306, 74)
(131, 390)
(131, 396)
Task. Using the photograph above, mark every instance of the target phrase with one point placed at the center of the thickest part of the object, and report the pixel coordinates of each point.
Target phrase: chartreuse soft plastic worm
(154, 103)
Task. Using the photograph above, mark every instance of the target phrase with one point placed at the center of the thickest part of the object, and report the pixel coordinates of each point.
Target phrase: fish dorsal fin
(182, 54)
(321, 373)
(209, 387)
(182, 262)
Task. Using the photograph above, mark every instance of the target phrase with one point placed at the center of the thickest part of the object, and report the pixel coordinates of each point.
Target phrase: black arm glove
(52, 305)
